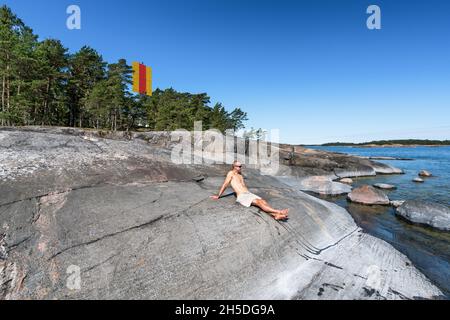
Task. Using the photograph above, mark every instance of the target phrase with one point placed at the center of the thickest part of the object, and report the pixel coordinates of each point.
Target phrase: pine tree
(23, 73)
(97, 105)
(86, 68)
(219, 118)
(119, 78)
(237, 118)
(16, 46)
(52, 69)
(41, 84)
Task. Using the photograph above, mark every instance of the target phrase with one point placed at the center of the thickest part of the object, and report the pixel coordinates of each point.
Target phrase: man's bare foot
(279, 217)
(284, 212)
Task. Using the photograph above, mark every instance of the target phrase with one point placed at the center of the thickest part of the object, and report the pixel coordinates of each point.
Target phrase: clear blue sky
(309, 68)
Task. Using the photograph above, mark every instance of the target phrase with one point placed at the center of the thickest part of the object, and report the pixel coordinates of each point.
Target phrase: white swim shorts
(247, 198)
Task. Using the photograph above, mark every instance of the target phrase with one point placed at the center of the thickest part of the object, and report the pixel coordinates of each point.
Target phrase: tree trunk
(112, 120)
(43, 113)
(71, 115)
(7, 87)
(8, 100)
(3, 98)
(115, 120)
(33, 114)
(46, 101)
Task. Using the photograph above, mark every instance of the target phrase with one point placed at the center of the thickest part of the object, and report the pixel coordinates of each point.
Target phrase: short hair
(234, 163)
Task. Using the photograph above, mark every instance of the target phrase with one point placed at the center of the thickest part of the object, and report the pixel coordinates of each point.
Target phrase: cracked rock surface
(83, 217)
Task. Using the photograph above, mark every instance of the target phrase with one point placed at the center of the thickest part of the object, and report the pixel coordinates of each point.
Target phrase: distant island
(390, 143)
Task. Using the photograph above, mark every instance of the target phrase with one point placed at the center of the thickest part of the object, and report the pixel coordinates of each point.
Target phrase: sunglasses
(239, 166)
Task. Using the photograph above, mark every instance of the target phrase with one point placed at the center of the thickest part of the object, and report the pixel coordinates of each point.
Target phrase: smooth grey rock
(317, 162)
(368, 195)
(425, 173)
(419, 180)
(385, 186)
(322, 185)
(199, 178)
(359, 171)
(140, 227)
(432, 214)
(346, 181)
(397, 203)
(3, 252)
(382, 168)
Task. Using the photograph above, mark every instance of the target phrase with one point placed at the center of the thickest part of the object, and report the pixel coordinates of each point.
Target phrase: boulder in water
(323, 185)
(346, 181)
(368, 195)
(397, 203)
(432, 214)
(425, 173)
(383, 168)
(385, 186)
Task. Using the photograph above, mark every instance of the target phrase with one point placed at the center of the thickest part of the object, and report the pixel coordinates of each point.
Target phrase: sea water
(428, 249)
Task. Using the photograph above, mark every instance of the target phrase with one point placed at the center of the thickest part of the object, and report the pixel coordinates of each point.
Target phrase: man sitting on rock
(244, 197)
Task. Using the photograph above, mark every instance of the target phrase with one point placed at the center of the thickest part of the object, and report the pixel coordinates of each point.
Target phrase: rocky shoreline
(138, 226)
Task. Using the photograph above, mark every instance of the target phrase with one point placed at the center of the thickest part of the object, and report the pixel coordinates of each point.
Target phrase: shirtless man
(244, 197)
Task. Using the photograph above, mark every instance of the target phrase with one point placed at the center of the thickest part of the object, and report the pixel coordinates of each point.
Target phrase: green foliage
(86, 69)
(42, 84)
(171, 110)
(255, 134)
(17, 43)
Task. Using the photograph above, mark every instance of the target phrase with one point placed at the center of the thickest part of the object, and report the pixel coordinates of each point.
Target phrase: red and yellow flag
(142, 79)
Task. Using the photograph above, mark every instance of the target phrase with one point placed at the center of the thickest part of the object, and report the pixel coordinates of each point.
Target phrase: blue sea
(428, 249)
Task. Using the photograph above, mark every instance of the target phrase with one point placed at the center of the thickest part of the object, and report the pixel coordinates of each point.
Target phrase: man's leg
(264, 206)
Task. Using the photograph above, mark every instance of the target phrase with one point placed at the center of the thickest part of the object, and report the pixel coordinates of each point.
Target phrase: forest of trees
(43, 84)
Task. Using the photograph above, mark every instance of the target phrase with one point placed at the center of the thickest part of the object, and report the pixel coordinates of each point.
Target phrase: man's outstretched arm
(224, 186)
